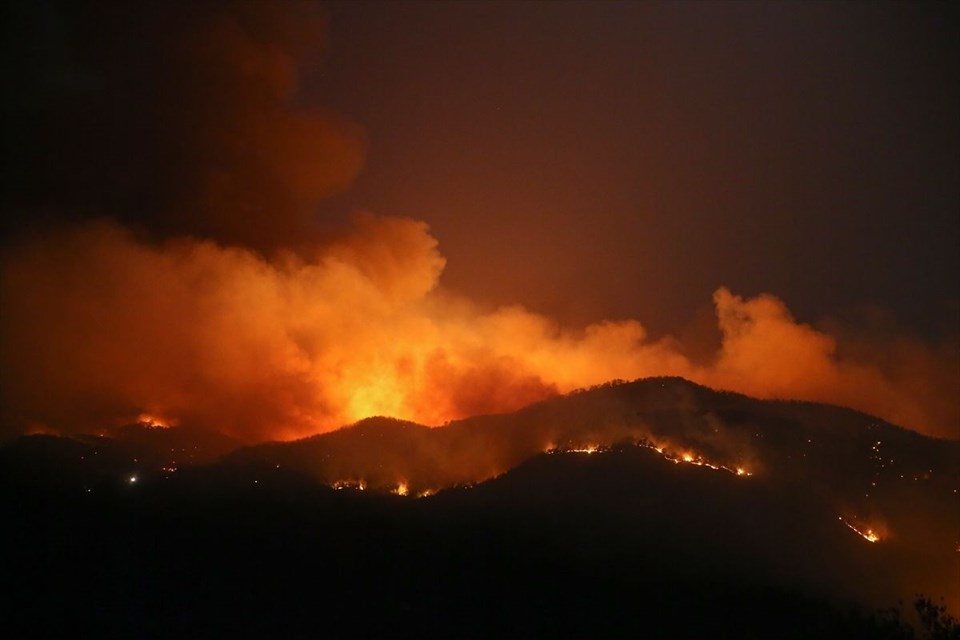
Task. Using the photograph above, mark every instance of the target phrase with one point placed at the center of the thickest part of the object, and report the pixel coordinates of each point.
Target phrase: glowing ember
(687, 457)
(358, 485)
(695, 459)
(401, 489)
(867, 534)
(587, 449)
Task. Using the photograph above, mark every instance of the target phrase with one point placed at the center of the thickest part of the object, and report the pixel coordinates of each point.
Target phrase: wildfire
(690, 457)
(357, 485)
(686, 456)
(402, 488)
(589, 449)
(380, 395)
(867, 534)
(871, 534)
(154, 421)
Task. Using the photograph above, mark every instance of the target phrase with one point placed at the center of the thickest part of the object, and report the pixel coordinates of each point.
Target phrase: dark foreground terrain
(105, 538)
(620, 544)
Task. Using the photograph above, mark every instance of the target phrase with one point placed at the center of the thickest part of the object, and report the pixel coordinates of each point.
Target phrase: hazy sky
(587, 159)
(597, 159)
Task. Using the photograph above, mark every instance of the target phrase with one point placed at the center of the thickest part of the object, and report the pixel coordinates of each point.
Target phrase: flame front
(685, 456)
(590, 448)
(867, 533)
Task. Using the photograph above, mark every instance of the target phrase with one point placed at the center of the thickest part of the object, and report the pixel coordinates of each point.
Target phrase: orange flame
(869, 534)
(291, 347)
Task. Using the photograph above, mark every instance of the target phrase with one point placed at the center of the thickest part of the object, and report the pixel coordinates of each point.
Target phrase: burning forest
(518, 300)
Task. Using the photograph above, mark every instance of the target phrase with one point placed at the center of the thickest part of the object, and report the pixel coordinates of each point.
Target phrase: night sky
(277, 218)
(626, 158)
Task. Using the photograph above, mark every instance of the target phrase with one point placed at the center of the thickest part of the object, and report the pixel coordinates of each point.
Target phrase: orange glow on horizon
(283, 349)
(377, 396)
(155, 421)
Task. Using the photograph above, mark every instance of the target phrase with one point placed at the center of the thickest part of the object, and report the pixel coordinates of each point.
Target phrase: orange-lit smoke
(99, 327)
(206, 295)
(767, 354)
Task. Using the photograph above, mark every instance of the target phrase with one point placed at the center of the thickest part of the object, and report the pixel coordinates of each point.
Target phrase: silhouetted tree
(935, 622)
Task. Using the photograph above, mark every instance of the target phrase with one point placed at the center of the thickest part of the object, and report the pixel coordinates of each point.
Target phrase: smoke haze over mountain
(175, 249)
(101, 328)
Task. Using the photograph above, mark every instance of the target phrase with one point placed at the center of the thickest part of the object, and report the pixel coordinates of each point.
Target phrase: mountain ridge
(609, 512)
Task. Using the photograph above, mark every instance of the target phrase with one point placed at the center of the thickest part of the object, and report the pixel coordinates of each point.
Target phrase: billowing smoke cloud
(201, 291)
(100, 327)
(766, 353)
(180, 119)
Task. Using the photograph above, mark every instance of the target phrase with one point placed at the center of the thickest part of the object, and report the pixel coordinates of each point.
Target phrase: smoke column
(165, 257)
(99, 327)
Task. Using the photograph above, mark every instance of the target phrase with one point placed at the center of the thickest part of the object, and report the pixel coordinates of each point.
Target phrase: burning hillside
(904, 500)
(237, 358)
(660, 478)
